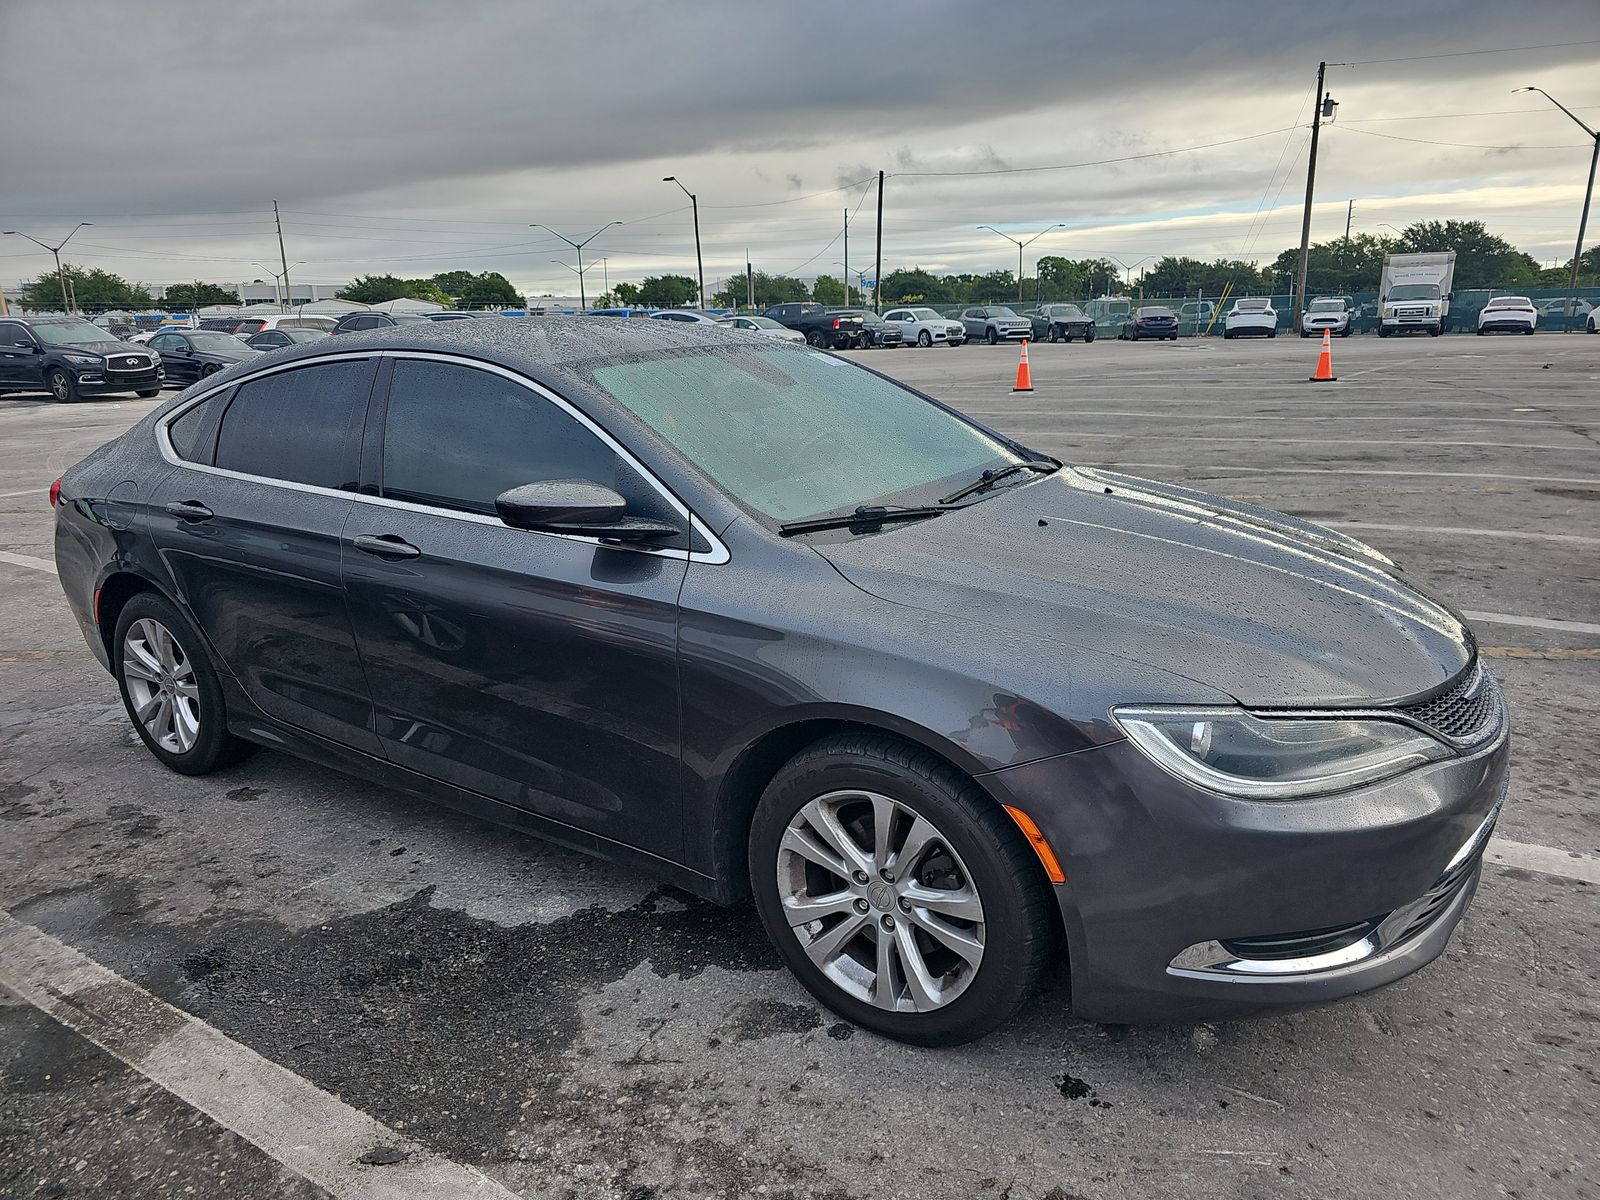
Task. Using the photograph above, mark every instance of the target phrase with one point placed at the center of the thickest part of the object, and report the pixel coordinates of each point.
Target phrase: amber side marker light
(1047, 856)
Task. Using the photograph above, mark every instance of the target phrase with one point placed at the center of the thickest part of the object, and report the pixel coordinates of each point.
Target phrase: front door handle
(190, 510)
(385, 545)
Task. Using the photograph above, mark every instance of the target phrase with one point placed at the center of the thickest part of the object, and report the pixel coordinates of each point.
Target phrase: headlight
(1231, 751)
(83, 360)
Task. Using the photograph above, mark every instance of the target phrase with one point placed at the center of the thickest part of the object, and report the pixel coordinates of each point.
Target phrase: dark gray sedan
(770, 624)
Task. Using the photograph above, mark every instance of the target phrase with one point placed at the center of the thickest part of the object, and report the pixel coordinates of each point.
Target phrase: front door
(19, 356)
(249, 529)
(537, 669)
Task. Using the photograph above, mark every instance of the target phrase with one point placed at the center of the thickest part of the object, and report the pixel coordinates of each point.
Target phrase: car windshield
(763, 322)
(1510, 302)
(71, 333)
(1155, 312)
(216, 343)
(925, 314)
(305, 335)
(795, 434)
(1065, 310)
(1001, 312)
(1326, 306)
(1251, 306)
(1414, 291)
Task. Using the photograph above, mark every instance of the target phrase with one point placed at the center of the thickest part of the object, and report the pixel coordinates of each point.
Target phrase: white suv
(926, 327)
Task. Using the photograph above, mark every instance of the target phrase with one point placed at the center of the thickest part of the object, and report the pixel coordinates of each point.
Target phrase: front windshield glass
(926, 314)
(1001, 312)
(1414, 291)
(1250, 306)
(306, 335)
(1065, 310)
(216, 343)
(794, 434)
(764, 323)
(71, 333)
(1326, 306)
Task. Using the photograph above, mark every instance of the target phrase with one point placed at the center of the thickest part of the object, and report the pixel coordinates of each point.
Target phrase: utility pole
(1020, 246)
(1583, 221)
(283, 260)
(583, 296)
(847, 256)
(877, 270)
(749, 280)
(61, 277)
(1324, 107)
(1349, 211)
(699, 263)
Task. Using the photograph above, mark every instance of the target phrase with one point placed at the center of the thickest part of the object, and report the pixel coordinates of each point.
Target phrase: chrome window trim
(716, 556)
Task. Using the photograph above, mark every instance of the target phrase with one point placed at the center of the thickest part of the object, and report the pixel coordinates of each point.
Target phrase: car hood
(109, 346)
(1275, 611)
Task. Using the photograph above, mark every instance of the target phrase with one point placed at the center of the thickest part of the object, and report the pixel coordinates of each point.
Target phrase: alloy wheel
(164, 694)
(880, 901)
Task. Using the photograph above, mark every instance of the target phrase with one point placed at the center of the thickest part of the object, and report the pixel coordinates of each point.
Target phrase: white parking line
(1575, 539)
(27, 560)
(1532, 622)
(1205, 467)
(291, 1120)
(1547, 860)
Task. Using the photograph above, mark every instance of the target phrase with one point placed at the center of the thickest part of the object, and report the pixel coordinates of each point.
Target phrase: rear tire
(816, 339)
(916, 985)
(163, 671)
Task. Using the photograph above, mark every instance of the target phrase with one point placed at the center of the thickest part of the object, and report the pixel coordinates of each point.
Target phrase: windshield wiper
(990, 477)
(864, 514)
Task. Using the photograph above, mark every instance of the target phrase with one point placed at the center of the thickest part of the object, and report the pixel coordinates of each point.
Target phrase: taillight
(55, 493)
(836, 322)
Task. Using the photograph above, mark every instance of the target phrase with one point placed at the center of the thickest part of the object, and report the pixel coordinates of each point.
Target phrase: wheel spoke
(825, 821)
(185, 724)
(920, 984)
(953, 938)
(144, 654)
(134, 666)
(161, 725)
(962, 904)
(826, 946)
(146, 712)
(807, 845)
(917, 841)
(884, 812)
(801, 909)
(885, 992)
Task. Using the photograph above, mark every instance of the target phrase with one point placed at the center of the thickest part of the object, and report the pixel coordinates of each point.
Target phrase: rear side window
(456, 437)
(300, 426)
(14, 335)
(251, 326)
(194, 434)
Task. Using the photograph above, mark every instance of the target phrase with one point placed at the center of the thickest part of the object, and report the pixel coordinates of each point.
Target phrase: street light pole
(583, 298)
(1021, 245)
(699, 263)
(1588, 193)
(61, 277)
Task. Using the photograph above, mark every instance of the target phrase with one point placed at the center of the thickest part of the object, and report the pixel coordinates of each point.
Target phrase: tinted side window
(194, 435)
(301, 426)
(457, 437)
(14, 335)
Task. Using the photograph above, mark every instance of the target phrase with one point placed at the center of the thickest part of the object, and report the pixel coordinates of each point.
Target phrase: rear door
(538, 669)
(18, 356)
(248, 527)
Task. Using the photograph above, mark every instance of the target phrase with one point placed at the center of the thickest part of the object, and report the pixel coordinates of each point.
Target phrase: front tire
(1088, 335)
(170, 689)
(991, 336)
(62, 386)
(148, 394)
(925, 339)
(898, 892)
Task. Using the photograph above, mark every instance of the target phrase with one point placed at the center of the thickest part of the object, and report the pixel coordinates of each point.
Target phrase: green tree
(375, 289)
(769, 290)
(828, 290)
(487, 290)
(95, 291)
(197, 295)
(1337, 267)
(667, 291)
(626, 294)
(916, 286)
(1482, 259)
(1186, 276)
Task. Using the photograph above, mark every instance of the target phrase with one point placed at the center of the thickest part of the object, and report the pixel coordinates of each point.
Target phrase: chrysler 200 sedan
(771, 624)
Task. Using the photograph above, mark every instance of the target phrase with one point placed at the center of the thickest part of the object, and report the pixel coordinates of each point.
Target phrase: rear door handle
(190, 510)
(385, 545)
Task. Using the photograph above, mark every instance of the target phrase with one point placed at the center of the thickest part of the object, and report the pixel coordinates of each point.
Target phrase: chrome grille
(1465, 713)
(128, 362)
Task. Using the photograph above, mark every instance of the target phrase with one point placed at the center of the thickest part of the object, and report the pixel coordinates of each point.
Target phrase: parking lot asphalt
(501, 1011)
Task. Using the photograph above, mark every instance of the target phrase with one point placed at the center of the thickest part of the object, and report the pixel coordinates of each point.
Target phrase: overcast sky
(415, 137)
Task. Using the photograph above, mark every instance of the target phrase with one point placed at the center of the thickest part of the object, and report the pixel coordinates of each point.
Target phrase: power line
(1496, 112)
(1395, 137)
(1098, 162)
(1368, 62)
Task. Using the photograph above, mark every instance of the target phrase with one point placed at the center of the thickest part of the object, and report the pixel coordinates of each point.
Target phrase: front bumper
(1168, 887)
(98, 380)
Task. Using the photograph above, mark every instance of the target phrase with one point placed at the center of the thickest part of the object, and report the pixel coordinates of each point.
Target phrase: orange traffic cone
(1024, 376)
(1325, 361)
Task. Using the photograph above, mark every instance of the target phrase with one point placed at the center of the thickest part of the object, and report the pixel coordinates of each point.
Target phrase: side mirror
(578, 507)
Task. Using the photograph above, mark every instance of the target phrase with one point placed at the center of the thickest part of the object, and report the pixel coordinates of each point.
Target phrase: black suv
(71, 358)
(351, 322)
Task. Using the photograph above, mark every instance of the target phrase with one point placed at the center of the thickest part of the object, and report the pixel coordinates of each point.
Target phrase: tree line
(1343, 265)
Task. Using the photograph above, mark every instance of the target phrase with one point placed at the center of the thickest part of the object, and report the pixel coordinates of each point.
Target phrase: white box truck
(1414, 292)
